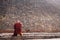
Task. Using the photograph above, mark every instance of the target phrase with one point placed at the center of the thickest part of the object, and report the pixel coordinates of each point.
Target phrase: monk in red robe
(17, 28)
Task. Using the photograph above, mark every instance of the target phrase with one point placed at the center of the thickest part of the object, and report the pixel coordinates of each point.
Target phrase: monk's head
(17, 21)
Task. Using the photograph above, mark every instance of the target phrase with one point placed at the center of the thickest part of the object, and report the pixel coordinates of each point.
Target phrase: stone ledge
(31, 35)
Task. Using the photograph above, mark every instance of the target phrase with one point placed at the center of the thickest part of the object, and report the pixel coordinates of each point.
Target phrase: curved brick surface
(36, 15)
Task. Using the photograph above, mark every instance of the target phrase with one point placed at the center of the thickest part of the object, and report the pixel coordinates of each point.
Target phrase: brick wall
(36, 15)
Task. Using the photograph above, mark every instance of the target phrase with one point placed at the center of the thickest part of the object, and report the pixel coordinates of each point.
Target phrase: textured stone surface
(36, 15)
(30, 36)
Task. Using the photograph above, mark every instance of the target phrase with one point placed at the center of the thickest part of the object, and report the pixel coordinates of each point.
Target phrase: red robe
(17, 28)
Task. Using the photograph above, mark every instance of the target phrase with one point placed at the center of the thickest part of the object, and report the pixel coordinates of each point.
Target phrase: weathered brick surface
(36, 15)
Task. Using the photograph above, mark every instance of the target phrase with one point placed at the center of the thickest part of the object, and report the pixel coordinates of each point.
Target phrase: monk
(17, 28)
